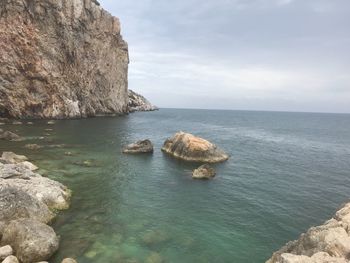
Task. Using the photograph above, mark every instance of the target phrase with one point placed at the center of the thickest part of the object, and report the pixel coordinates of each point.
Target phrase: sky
(280, 55)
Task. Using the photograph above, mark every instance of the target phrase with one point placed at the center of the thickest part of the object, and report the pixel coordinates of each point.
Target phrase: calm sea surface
(287, 172)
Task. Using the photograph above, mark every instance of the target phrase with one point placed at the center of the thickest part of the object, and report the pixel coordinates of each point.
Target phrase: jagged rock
(33, 241)
(69, 260)
(32, 146)
(190, 148)
(329, 242)
(10, 157)
(10, 259)
(61, 59)
(144, 146)
(5, 251)
(203, 172)
(16, 204)
(29, 166)
(9, 136)
(139, 103)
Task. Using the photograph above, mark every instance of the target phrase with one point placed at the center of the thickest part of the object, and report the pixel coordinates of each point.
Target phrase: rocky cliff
(138, 102)
(328, 243)
(61, 59)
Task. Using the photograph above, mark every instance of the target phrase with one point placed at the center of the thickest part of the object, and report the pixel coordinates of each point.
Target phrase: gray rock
(10, 157)
(329, 242)
(16, 204)
(5, 251)
(139, 103)
(144, 146)
(10, 259)
(69, 260)
(9, 136)
(188, 147)
(33, 241)
(204, 172)
(82, 73)
(32, 146)
(17, 123)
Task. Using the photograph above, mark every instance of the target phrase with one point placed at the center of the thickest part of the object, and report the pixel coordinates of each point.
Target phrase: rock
(5, 251)
(16, 204)
(17, 123)
(11, 157)
(187, 147)
(144, 146)
(11, 259)
(69, 260)
(29, 166)
(139, 103)
(30, 123)
(204, 172)
(33, 241)
(64, 59)
(32, 146)
(51, 122)
(329, 242)
(9, 136)
(154, 257)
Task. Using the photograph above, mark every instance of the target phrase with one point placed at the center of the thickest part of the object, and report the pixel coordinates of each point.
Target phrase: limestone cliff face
(61, 59)
(328, 243)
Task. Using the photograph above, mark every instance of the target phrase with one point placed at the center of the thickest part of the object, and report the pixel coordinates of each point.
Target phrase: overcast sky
(290, 55)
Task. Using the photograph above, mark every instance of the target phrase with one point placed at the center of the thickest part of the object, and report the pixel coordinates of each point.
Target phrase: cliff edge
(61, 59)
(328, 243)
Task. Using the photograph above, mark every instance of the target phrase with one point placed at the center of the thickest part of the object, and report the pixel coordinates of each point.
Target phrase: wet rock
(188, 147)
(51, 122)
(33, 241)
(10, 157)
(11, 259)
(5, 251)
(9, 136)
(204, 172)
(69, 260)
(154, 257)
(32, 146)
(144, 146)
(68, 154)
(16, 204)
(17, 123)
(138, 102)
(30, 123)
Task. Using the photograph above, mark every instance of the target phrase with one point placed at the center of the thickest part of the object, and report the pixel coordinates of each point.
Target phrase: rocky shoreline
(327, 243)
(28, 204)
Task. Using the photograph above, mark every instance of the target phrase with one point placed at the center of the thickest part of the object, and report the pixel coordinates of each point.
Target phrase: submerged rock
(138, 102)
(144, 146)
(9, 136)
(204, 172)
(329, 242)
(154, 257)
(191, 148)
(33, 241)
(32, 146)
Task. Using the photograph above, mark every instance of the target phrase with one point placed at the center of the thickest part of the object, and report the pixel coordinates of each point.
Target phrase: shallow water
(287, 171)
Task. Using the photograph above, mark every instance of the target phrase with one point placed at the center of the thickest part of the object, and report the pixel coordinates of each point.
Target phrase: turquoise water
(287, 172)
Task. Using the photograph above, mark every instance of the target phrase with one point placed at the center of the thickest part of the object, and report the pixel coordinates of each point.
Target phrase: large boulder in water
(204, 172)
(191, 148)
(32, 241)
(16, 204)
(144, 146)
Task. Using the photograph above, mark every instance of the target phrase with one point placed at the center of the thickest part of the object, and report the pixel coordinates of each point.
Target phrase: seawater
(287, 172)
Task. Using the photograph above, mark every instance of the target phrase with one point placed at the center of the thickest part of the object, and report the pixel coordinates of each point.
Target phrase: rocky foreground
(328, 243)
(61, 59)
(28, 203)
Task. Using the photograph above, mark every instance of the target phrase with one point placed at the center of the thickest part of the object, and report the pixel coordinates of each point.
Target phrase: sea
(286, 172)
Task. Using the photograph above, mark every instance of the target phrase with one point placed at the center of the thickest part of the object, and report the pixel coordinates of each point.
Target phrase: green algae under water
(287, 171)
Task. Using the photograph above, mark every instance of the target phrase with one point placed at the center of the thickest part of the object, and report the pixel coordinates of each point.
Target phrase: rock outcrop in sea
(205, 172)
(61, 59)
(327, 243)
(188, 147)
(144, 146)
(138, 102)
